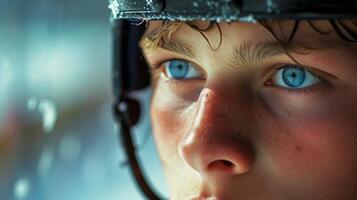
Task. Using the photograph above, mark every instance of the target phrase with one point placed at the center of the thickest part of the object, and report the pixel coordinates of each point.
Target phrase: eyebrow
(173, 45)
(247, 53)
(243, 54)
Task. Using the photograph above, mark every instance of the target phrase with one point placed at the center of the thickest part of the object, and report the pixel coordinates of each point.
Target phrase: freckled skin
(232, 137)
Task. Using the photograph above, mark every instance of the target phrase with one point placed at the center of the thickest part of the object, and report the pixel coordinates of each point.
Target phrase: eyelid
(163, 55)
(327, 81)
(157, 65)
(322, 75)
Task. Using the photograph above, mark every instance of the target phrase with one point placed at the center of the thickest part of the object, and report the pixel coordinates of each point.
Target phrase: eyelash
(156, 70)
(319, 87)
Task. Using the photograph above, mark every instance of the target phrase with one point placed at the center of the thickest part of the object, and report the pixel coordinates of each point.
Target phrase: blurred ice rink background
(57, 135)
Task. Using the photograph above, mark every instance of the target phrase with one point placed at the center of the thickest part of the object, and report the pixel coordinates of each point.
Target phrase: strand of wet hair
(210, 26)
(285, 47)
(339, 30)
(348, 30)
(196, 28)
(314, 27)
(295, 28)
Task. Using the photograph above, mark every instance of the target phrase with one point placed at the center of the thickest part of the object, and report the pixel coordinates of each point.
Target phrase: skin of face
(229, 134)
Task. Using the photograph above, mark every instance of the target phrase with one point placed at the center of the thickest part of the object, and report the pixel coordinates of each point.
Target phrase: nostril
(227, 163)
(221, 166)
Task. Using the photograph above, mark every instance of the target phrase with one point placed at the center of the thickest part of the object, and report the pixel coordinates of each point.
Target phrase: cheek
(171, 113)
(169, 125)
(317, 156)
(307, 147)
(313, 143)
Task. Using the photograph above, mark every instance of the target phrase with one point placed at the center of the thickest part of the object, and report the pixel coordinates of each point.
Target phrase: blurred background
(58, 139)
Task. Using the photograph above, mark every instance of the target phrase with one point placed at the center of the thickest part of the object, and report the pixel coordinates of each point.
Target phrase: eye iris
(294, 76)
(178, 69)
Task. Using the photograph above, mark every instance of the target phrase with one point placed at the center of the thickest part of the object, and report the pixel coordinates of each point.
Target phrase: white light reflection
(48, 112)
(32, 103)
(114, 7)
(22, 188)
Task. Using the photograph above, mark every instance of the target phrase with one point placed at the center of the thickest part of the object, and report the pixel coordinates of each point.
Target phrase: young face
(245, 121)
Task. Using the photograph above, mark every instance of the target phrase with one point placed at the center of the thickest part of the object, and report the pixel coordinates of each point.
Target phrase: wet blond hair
(162, 36)
(345, 29)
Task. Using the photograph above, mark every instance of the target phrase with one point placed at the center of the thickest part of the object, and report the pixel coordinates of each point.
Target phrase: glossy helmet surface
(231, 10)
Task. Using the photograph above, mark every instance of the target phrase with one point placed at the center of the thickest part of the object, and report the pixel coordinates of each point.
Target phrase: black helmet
(231, 10)
(130, 72)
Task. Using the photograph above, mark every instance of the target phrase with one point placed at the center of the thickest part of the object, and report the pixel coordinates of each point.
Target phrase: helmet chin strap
(129, 75)
(126, 113)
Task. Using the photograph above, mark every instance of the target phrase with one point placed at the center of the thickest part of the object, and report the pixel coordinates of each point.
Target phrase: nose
(214, 144)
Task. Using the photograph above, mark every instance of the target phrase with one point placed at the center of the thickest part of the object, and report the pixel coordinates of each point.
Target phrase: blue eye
(180, 69)
(294, 77)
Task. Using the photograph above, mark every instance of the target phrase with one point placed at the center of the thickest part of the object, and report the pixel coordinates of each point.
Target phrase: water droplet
(49, 114)
(47, 110)
(32, 103)
(271, 6)
(21, 188)
(45, 162)
(248, 18)
(114, 6)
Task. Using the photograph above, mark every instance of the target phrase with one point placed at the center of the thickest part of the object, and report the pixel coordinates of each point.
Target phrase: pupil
(178, 69)
(293, 76)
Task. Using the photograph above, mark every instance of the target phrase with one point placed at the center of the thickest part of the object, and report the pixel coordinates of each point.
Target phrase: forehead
(320, 33)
